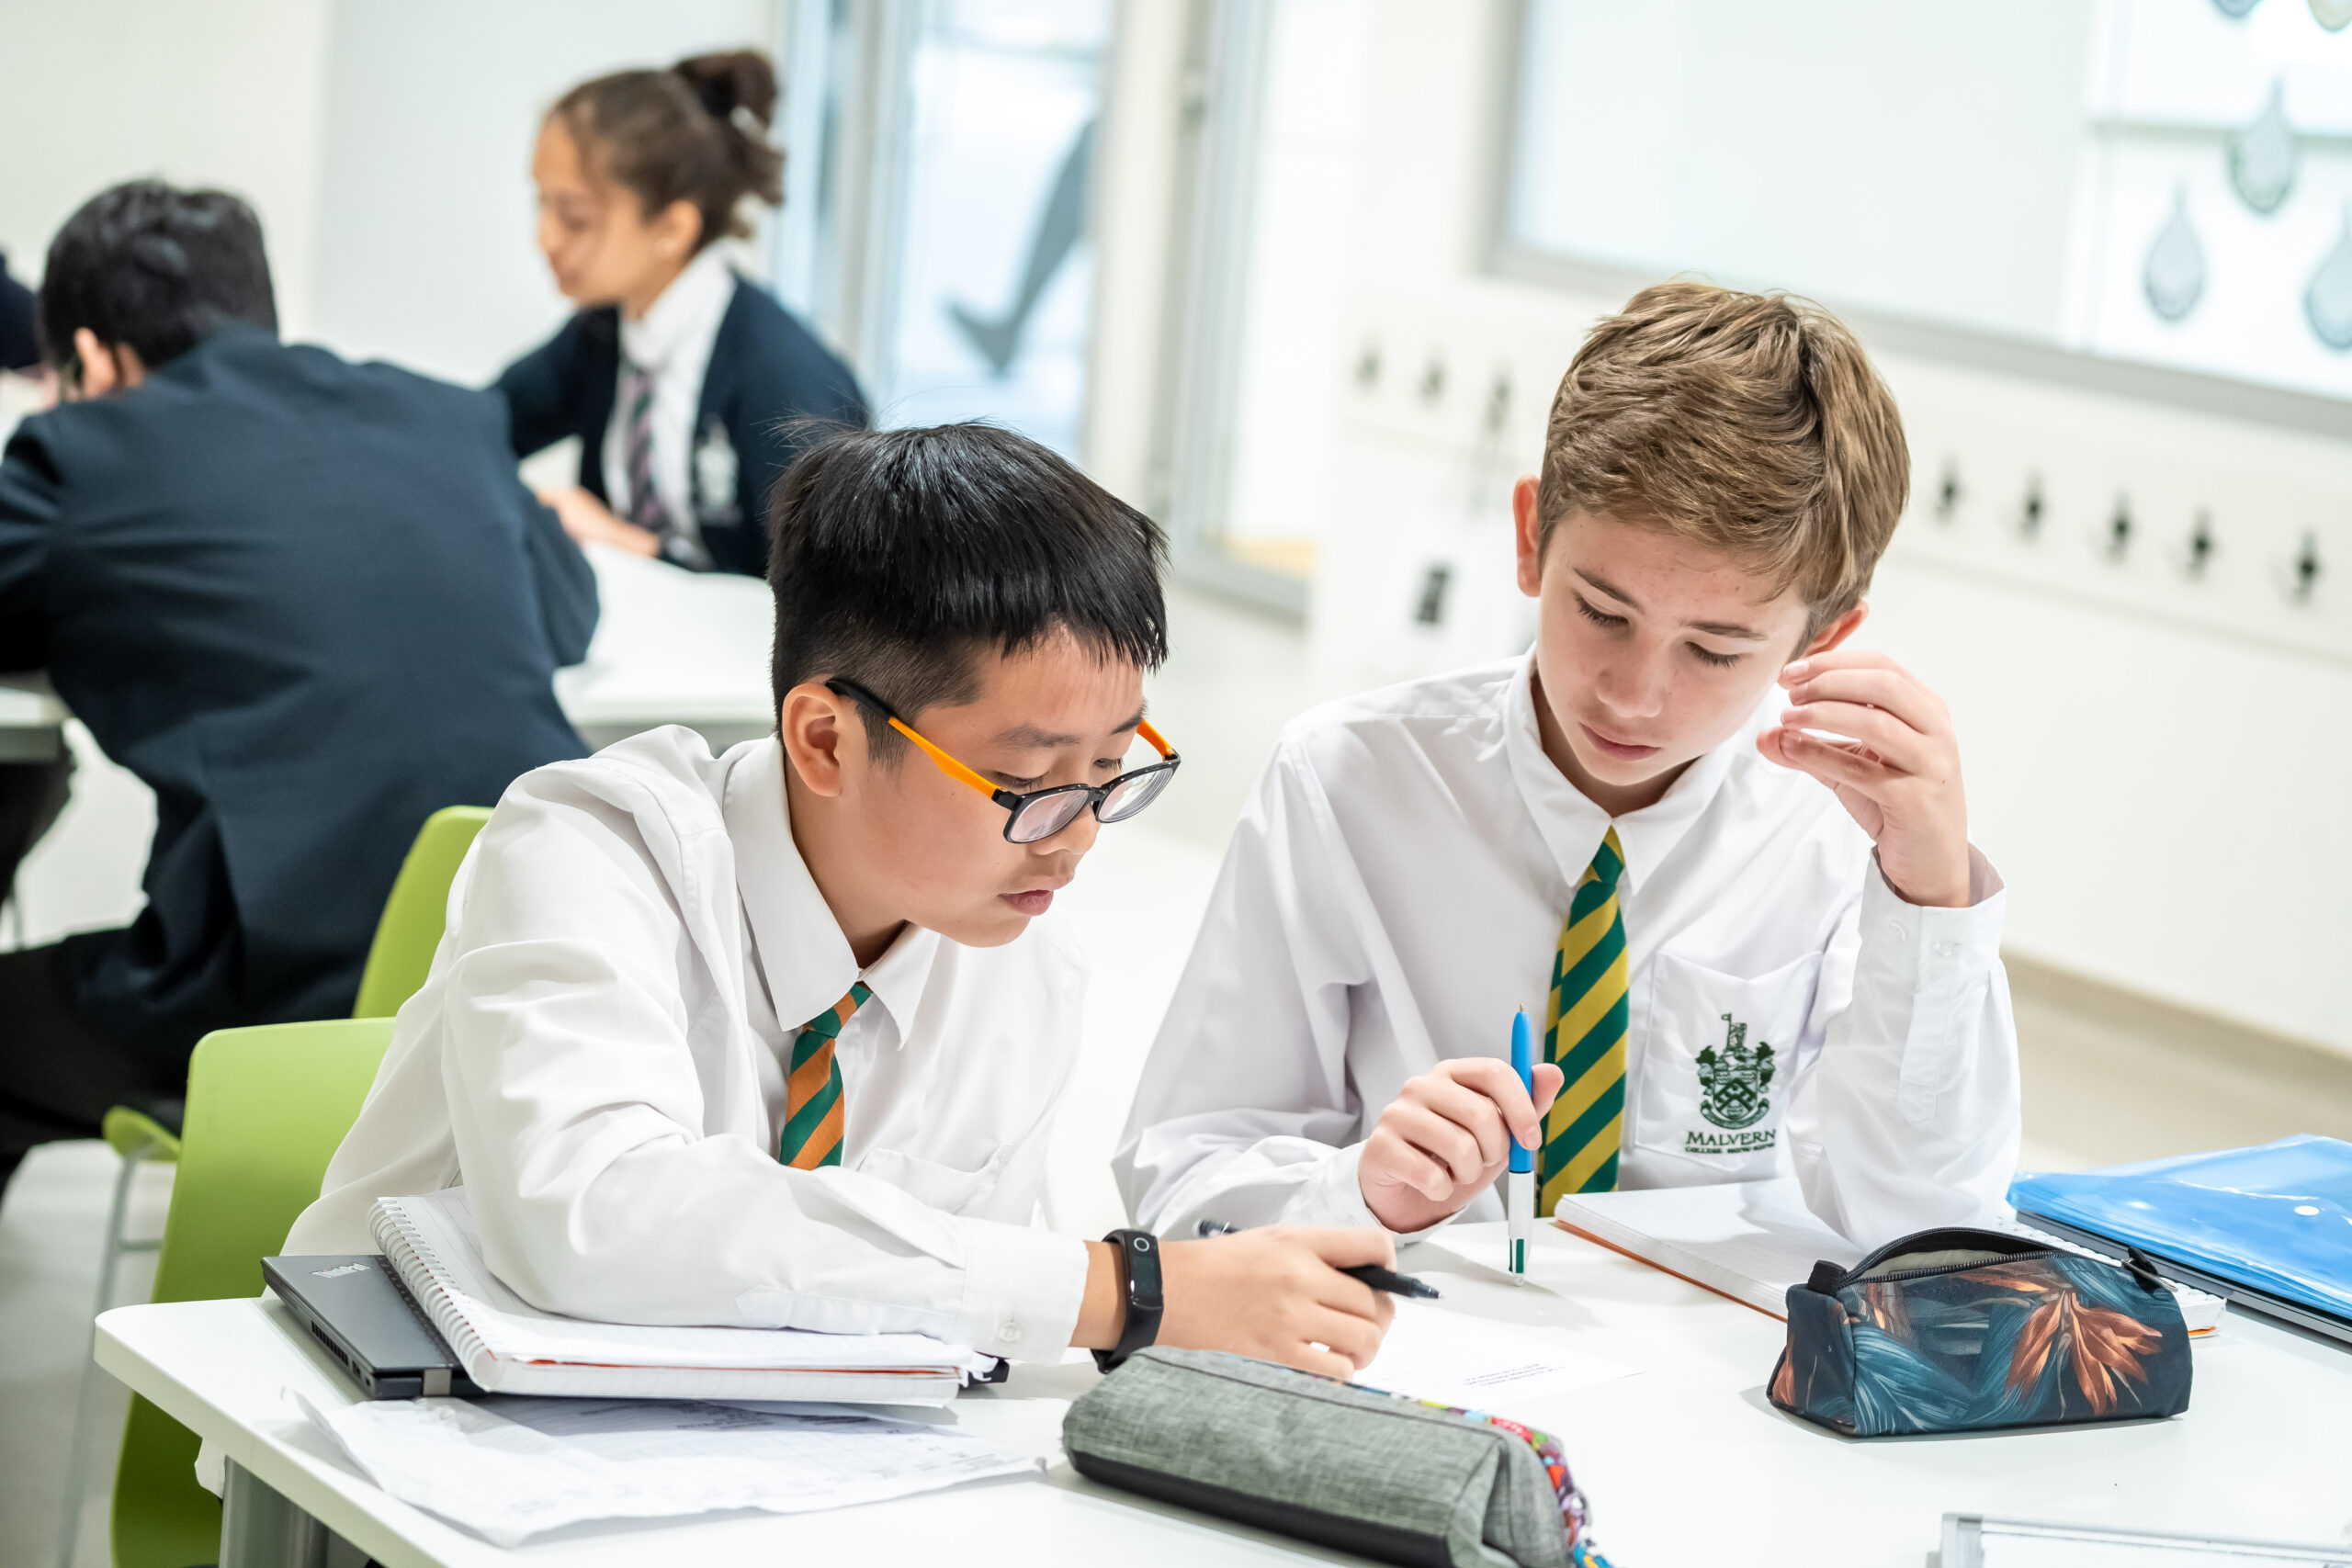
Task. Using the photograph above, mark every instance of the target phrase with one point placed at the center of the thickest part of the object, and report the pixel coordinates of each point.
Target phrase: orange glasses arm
(1144, 728)
(947, 764)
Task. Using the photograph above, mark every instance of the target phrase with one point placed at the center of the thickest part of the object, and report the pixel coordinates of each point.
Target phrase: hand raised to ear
(1892, 761)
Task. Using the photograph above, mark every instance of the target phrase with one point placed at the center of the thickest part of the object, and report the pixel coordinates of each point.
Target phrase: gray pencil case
(1328, 1462)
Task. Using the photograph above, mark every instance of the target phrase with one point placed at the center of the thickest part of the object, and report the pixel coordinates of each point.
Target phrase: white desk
(1686, 1463)
(672, 647)
(32, 721)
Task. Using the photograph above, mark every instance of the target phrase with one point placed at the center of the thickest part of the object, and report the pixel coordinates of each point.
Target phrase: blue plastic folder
(2270, 1227)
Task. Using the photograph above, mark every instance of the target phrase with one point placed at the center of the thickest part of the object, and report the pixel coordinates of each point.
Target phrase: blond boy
(1720, 853)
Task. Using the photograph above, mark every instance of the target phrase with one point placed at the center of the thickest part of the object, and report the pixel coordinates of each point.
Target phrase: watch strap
(1138, 1253)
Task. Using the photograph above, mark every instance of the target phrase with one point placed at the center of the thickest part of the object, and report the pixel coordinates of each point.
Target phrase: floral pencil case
(1961, 1330)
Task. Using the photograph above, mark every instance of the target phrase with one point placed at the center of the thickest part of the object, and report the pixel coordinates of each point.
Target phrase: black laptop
(358, 1311)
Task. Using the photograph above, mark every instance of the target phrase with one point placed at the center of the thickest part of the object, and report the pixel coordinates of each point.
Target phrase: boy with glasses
(1755, 936)
(775, 1038)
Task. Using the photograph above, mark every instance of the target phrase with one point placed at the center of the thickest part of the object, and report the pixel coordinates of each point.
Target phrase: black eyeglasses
(1042, 813)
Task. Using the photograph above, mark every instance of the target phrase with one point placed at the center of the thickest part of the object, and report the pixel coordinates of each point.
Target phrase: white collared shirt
(672, 340)
(1397, 887)
(598, 1056)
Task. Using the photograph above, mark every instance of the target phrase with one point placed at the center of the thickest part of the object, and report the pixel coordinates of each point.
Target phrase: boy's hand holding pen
(1448, 1136)
(1371, 1274)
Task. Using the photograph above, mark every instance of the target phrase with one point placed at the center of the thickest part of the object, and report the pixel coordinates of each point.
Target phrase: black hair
(696, 132)
(897, 557)
(156, 268)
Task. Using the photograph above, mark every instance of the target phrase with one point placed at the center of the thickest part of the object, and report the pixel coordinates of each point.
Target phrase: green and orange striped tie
(813, 1112)
(1584, 1035)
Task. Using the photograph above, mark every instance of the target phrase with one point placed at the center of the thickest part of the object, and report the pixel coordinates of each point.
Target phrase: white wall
(225, 93)
(2155, 763)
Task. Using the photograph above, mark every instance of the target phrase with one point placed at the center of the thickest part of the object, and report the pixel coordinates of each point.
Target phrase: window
(936, 227)
(2166, 183)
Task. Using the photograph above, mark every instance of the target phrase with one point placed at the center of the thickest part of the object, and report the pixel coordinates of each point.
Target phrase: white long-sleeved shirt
(1397, 888)
(672, 342)
(599, 1057)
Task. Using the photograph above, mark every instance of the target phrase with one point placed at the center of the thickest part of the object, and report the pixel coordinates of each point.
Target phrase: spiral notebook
(508, 1346)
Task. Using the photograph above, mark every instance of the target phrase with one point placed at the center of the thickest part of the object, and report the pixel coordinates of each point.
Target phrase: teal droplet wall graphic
(2174, 273)
(2262, 156)
(2327, 301)
(2332, 15)
(2234, 7)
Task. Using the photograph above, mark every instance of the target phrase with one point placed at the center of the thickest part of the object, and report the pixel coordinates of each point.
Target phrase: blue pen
(1518, 1181)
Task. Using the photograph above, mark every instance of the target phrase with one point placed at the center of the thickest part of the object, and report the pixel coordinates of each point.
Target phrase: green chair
(410, 929)
(397, 959)
(266, 1108)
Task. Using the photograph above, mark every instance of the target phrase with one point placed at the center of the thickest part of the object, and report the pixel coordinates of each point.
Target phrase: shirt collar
(693, 304)
(796, 941)
(1573, 825)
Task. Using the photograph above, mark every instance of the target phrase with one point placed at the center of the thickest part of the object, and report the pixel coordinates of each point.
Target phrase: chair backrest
(266, 1108)
(410, 928)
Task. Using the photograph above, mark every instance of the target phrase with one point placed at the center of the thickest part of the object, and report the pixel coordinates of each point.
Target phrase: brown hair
(1750, 421)
(695, 132)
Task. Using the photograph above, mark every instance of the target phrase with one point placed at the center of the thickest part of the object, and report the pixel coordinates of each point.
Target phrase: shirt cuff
(1933, 935)
(1921, 976)
(1333, 1195)
(1022, 1288)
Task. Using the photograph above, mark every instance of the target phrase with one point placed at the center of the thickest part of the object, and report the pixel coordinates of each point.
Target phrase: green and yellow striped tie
(813, 1113)
(1584, 1035)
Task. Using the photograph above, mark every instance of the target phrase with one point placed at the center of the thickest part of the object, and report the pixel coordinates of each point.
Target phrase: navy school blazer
(767, 371)
(308, 603)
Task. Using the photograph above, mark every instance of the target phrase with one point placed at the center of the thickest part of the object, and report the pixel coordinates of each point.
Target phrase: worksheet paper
(509, 1467)
(1448, 1357)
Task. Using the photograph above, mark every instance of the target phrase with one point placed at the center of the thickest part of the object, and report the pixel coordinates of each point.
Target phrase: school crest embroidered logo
(1732, 1081)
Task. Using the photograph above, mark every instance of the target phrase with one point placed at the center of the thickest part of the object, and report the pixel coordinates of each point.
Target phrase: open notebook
(511, 1346)
(1752, 1240)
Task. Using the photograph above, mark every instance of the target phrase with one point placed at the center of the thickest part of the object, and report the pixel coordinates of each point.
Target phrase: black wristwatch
(1139, 1282)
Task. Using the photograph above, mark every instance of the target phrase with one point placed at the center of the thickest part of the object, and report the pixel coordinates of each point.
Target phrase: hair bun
(733, 85)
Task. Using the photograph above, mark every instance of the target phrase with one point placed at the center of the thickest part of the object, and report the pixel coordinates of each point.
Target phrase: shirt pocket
(1713, 1073)
(937, 1186)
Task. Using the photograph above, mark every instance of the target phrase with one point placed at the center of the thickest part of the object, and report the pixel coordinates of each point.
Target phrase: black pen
(1371, 1274)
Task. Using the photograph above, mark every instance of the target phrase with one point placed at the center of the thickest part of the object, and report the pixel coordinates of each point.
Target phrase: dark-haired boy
(1756, 936)
(307, 602)
(775, 1038)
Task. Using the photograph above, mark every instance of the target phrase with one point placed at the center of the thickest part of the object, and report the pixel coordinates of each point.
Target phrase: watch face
(1143, 1271)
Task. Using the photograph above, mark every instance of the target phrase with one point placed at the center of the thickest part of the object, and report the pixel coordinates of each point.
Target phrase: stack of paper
(511, 1469)
(508, 1346)
(1752, 1240)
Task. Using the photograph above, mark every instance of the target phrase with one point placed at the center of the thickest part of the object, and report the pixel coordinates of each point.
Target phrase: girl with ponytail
(690, 388)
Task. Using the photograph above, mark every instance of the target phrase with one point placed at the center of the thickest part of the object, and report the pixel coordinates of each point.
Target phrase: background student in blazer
(690, 388)
(307, 602)
(1756, 934)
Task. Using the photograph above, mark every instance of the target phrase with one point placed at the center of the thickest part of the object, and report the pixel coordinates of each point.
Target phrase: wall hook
(2117, 540)
(1368, 366)
(1947, 493)
(2302, 573)
(1433, 380)
(1497, 404)
(2200, 554)
(2029, 514)
(1430, 610)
